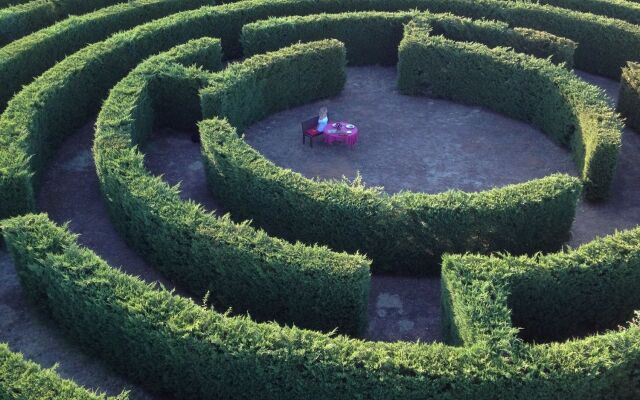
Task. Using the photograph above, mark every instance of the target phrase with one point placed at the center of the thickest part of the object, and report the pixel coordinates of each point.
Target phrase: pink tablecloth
(343, 134)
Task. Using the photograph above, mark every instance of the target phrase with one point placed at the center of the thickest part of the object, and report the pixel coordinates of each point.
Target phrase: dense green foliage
(373, 37)
(9, 3)
(22, 19)
(26, 58)
(407, 232)
(629, 98)
(64, 97)
(403, 233)
(341, 215)
(555, 296)
(573, 113)
(620, 9)
(239, 266)
(175, 346)
(615, 41)
(25, 380)
(604, 44)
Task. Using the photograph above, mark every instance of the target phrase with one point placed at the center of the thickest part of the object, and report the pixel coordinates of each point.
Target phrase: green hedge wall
(373, 37)
(556, 296)
(175, 346)
(615, 41)
(604, 44)
(9, 3)
(629, 98)
(26, 58)
(239, 266)
(65, 97)
(25, 380)
(573, 113)
(620, 9)
(404, 233)
(22, 19)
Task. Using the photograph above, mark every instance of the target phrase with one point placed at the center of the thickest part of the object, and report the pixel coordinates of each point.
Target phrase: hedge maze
(523, 317)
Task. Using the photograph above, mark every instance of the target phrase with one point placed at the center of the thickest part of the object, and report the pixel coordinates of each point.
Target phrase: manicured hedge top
(631, 75)
(604, 44)
(30, 56)
(46, 110)
(22, 19)
(25, 380)
(373, 37)
(173, 345)
(239, 266)
(556, 296)
(406, 232)
(9, 3)
(613, 40)
(621, 9)
(629, 98)
(572, 112)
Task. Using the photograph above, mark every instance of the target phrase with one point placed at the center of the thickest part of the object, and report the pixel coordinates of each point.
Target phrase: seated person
(323, 120)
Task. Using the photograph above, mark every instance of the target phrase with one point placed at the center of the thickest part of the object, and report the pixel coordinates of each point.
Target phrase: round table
(338, 132)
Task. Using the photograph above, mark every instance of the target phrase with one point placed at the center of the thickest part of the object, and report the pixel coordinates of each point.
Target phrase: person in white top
(323, 120)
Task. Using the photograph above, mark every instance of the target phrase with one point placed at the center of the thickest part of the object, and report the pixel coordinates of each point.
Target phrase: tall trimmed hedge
(373, 37)
(175, 346)
(26, 58)
(237, 265)
(9, 3)
(25, 380)
(615, 41)
(629, 98)
(407, 232)
(573, 113)
(604, 44)
(22, 19)
(63, 98)
(403, 233)
(556, 296)
(621, 9)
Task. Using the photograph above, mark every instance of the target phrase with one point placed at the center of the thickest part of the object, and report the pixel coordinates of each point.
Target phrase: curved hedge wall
(403, 233)
(9, 3)
(572, 112)
(407, 232)
(26, 58)
(362, 31)
(629, 98)
(239, 266)
(46, 110)
(22, 19)
(620, 9)
(549, 297)
(615, 41)
(175, 346)
(604, 44)
(25, 380)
